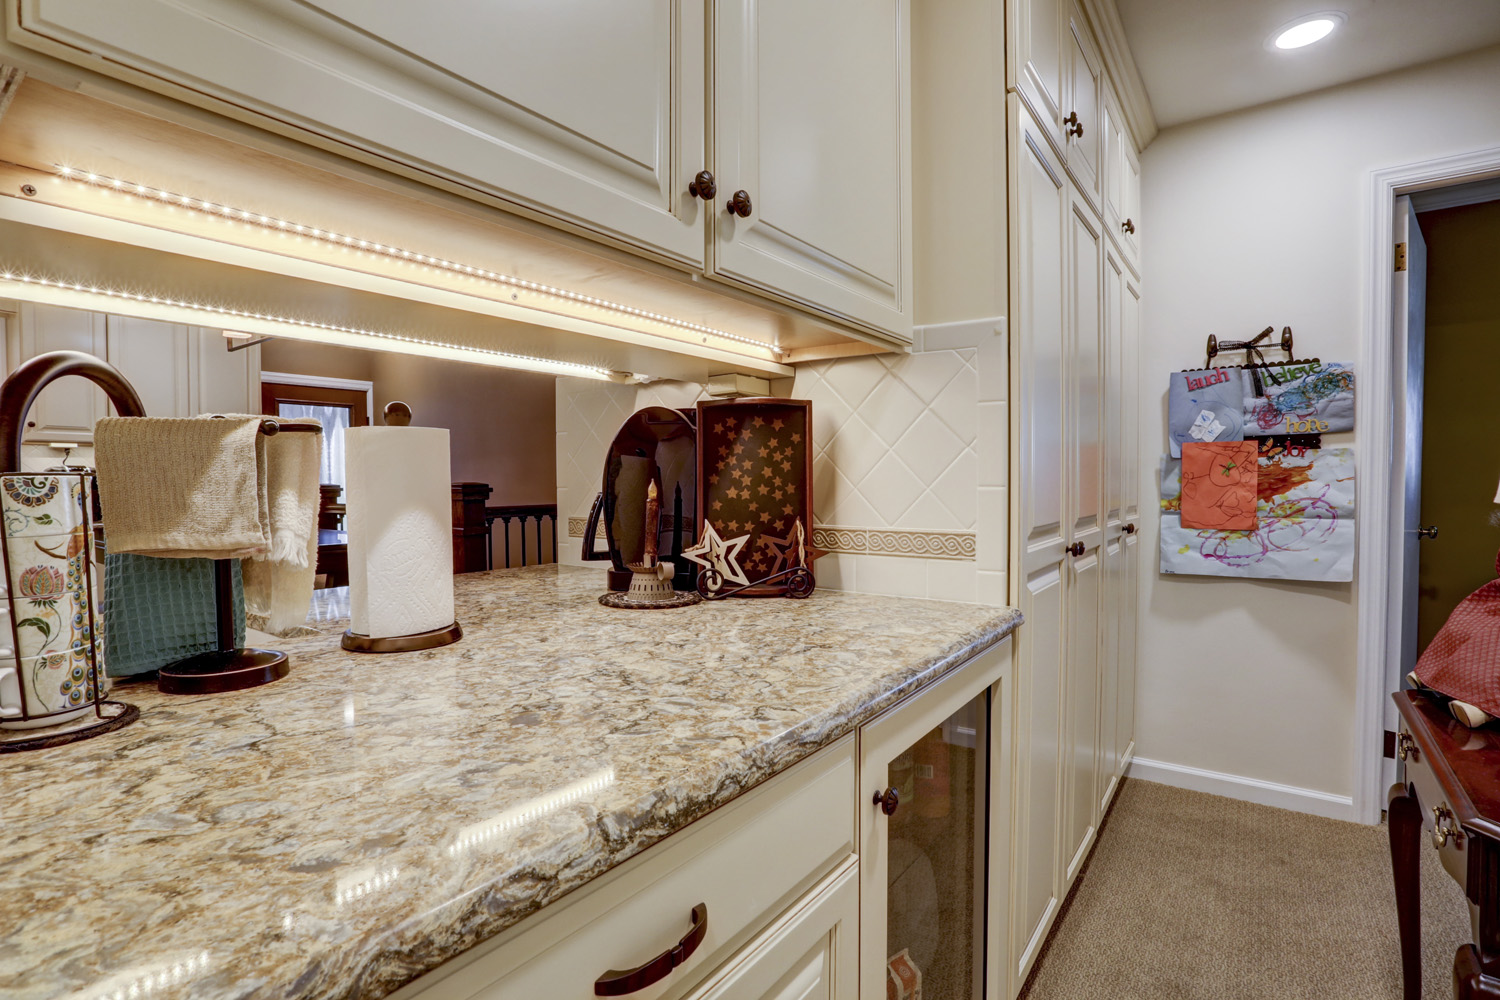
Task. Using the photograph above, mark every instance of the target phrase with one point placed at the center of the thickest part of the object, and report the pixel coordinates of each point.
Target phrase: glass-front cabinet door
(929, 770)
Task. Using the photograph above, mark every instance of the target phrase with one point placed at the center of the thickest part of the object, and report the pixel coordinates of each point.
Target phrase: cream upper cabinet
(589, 113)
(1082, 125)
(157, 359)
(1122, 181)
(1037, 64)
(593, 116)
(811, 154)
(64, 411)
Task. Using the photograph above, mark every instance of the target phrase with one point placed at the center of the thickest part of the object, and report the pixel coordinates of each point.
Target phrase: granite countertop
(342, 831)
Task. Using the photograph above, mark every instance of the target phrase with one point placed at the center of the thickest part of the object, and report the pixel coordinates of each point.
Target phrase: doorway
(338, 403)
(1460, 410)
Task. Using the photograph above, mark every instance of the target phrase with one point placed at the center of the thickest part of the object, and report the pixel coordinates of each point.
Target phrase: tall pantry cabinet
(1074, 298)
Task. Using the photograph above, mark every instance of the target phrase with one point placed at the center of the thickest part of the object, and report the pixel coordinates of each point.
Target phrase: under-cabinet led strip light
(411, 345)
(214, 210)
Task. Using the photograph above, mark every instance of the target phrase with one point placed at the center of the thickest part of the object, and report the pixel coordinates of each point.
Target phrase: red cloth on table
(1463, 659)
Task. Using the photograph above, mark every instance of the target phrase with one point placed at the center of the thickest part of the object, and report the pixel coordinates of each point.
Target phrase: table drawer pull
(617, 983)
(1406, 747)
(1443, 829)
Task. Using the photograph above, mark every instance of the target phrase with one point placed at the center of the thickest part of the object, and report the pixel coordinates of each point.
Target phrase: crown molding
(1119, 64)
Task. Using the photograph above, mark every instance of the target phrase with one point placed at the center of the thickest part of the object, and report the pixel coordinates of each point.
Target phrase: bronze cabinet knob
(703, 186)
(1129, 529)
(1076, 549)
(1073, 126)
(740, 204)
(888, 800)
(1428, 532)
(1128, 226)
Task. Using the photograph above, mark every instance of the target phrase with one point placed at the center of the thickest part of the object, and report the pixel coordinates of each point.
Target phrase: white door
(1039, 559)
(1409, 317)
(64, 411)
(811, 150)
(589, 112)
(1115, 456)
(1085, 515)
(157, 359)
(1128, 597)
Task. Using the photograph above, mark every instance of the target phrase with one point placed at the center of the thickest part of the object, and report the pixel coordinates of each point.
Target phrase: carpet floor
(1196, 897)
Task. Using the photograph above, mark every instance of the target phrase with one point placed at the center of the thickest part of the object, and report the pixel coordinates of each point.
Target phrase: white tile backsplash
(915, 442)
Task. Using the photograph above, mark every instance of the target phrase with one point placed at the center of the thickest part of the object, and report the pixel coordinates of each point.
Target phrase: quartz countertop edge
(341, 832)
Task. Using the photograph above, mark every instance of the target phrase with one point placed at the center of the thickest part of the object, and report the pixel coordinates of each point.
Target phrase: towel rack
(229, 667)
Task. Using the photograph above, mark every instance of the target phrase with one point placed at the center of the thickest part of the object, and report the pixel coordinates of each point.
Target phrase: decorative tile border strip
(896, 542)
(577, 526)
(867, 541)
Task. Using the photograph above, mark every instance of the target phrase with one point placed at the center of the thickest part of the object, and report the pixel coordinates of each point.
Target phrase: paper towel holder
(398, 414)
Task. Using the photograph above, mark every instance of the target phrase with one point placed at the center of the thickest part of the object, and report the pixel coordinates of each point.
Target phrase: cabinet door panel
(1130, 186)
(1083, 141)
(1039, 213)
(811, 122)
(588, 112)
(810, 954)
(67, 409)
(1038, 60)
(1082, 708)
(156, 359)
(227, 381)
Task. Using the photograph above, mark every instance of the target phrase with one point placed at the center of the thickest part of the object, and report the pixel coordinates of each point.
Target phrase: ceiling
(1205, 57)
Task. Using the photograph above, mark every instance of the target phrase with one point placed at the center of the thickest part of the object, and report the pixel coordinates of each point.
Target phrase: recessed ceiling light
(1306, 30)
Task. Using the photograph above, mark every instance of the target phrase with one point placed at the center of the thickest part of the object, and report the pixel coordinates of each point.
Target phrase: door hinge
(1400, 256)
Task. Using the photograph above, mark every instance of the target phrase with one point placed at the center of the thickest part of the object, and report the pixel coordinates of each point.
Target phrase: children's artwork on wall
(1301, 397)
(1304, 524)
(1205, 405)
(1219, 485)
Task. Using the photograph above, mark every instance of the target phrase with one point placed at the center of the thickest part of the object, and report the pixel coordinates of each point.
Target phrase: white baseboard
(1234, 786)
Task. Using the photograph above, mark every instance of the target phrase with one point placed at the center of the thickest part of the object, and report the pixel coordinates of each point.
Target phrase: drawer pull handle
(1406, 747)
(1443, 829)
(617, 983)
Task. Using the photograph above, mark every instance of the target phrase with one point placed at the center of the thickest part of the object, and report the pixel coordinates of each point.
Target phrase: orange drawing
(1219, 480)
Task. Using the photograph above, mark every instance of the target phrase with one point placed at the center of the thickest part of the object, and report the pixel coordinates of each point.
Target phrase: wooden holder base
(223, 670)
(357, 643)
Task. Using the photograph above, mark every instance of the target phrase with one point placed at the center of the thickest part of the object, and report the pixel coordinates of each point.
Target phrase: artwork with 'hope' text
(1303, 397)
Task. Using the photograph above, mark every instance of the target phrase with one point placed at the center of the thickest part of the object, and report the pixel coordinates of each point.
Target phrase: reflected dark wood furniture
(1448, 797)
(471, 529)
(333, 557)
(524, 514)
(330, 511)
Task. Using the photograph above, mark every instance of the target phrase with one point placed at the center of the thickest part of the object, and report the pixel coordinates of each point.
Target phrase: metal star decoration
(719, 555)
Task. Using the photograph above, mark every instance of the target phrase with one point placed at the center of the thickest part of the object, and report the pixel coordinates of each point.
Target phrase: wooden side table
(1450, 790)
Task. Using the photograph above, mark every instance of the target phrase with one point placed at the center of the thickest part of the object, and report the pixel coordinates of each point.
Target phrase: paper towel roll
(400, 519)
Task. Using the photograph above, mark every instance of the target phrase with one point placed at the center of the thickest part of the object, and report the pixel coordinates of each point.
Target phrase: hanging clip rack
(1252, 347)
(229, 667)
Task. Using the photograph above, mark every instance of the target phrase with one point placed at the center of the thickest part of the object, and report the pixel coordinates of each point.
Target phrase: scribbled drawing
(1304, 528)
(1322, 392)
(1219, 485)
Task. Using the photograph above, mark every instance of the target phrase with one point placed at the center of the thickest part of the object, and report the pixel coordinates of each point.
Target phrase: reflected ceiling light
(345, 241)
(1306, 30)
(485, 833)
(353, 336)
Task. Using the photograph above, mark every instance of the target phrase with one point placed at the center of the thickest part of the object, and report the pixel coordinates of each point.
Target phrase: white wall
(1248, 220)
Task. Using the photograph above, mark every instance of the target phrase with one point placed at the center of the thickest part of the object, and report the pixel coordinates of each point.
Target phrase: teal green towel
(159, 611)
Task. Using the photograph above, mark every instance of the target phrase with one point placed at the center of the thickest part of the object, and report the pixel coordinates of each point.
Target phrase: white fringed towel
(280, 584)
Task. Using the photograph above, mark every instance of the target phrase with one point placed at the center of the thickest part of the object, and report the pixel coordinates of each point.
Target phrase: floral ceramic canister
(55, 661)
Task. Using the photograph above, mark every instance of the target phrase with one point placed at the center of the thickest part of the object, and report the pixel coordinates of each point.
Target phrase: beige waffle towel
(183, 488)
